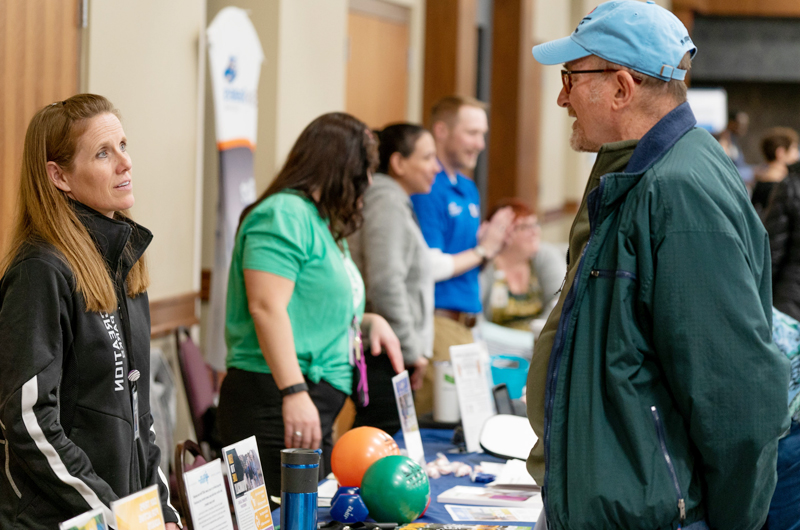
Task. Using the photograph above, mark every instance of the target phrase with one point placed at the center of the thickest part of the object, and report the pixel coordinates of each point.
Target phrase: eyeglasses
(525, 227)
(566, 76)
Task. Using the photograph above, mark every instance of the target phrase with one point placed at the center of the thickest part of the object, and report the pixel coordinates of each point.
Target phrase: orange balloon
(358, 449)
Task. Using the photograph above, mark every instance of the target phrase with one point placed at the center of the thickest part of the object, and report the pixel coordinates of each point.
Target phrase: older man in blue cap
(655, 388)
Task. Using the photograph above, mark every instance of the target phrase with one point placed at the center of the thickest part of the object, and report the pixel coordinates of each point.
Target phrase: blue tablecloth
(436, 441)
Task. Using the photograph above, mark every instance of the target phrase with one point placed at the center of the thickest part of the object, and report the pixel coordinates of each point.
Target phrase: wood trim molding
(514, 118)
(377, 8)
(569, 208)
(168, 314)
(205, 285)
(451, 51)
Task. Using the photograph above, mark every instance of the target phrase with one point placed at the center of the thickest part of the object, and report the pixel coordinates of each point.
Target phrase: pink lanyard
(362, 389)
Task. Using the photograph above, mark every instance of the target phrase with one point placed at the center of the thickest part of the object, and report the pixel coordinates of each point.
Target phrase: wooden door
(39, 49)
(377, 67)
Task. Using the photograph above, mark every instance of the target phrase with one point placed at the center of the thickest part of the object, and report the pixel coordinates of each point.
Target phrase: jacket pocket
(610, 273)
(662, 441)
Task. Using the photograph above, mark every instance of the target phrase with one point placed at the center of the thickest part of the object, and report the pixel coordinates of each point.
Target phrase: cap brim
(559, 51)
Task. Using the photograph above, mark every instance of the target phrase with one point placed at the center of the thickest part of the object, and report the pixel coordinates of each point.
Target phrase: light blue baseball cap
(642, 36)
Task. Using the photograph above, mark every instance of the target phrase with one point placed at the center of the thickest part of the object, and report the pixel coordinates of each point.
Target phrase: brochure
(484, 513)
(408, 417)
(489, 497)
(208, 500)
(325, 492)
(140, 511)
(473, 388)
(91, 520)
(250, 501)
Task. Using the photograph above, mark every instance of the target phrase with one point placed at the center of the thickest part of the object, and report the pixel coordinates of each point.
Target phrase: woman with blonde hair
(75, 326)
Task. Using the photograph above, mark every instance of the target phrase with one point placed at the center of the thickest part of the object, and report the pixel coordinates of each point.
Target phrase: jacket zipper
(599, 273)
(662, 438)
(125, 325)
(558, 343)
(8, 464)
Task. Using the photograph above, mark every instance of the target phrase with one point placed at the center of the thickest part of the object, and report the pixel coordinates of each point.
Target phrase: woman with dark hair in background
(782, 221)
(779, 147)
(296, 300)
(398, 267)
(75, 326)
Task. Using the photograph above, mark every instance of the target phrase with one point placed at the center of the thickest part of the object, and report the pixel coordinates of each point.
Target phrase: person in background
(779, 147)
(75, 327)
(450, 219)
(782, 221)
(398, 267)
(656, 391)
(731, 141)
(296, 300)
(522, 283)
(396, 264)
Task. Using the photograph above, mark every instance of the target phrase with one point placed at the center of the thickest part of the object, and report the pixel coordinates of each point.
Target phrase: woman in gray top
(398, 268)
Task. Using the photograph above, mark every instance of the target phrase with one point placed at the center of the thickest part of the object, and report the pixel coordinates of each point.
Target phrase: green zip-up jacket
(665, 396)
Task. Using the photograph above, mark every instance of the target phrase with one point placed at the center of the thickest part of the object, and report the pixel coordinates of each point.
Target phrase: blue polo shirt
(449, 217)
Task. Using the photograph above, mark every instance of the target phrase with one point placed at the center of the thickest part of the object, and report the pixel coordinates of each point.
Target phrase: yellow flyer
(250, 500)
(140, 511)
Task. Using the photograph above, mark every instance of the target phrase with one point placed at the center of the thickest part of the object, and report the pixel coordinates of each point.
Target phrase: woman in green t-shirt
(296, 301)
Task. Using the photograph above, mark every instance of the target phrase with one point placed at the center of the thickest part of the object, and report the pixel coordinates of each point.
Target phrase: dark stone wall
(757, 61)
(768, 104)
(746, 49)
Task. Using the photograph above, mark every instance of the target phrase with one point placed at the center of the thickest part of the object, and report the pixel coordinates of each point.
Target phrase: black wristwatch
(294, 389)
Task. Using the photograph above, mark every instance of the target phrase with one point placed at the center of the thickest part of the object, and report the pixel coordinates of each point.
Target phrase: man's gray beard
(579, 143)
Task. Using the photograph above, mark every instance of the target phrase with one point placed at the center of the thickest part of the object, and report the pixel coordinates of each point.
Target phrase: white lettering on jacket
(110, 324)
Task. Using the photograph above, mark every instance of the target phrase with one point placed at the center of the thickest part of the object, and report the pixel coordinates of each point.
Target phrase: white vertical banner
(235, 57)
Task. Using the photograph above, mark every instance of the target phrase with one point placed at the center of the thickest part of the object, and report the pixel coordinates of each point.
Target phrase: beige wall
(311, 65)
(148, 67)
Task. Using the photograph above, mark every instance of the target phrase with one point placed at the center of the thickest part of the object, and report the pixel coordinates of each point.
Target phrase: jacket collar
(660, 139)
(111, 236)
(650, 149)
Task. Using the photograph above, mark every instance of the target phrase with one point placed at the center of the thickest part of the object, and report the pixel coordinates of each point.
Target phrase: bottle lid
(300, 457)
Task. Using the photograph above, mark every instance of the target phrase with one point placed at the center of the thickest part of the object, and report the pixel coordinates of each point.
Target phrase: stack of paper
(489, 497)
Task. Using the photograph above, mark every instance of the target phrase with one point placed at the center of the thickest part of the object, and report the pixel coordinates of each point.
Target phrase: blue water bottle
(299, 478)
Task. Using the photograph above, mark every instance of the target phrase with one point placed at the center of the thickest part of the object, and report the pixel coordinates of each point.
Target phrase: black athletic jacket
(66, 408)
(783, 225)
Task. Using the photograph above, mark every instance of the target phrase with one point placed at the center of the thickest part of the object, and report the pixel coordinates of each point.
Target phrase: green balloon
(395, 489)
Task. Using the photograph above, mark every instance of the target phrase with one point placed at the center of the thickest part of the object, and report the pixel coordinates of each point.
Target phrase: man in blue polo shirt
(450, 219)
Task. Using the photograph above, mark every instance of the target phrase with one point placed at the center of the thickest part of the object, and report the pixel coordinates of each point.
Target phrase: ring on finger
(299, 434)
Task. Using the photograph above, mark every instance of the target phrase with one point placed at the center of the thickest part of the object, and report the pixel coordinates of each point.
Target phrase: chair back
(181, 449)
(197, 380)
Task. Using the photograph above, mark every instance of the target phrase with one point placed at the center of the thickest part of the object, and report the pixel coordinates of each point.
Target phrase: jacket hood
(112, 236)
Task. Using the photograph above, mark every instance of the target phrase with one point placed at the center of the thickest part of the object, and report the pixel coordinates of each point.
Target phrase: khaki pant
(446, 333)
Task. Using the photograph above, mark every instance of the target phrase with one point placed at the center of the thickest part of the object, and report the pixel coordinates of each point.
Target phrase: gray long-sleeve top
(397, 266)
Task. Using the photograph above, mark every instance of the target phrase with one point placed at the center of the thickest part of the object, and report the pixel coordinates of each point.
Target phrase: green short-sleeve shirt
(284, 235)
